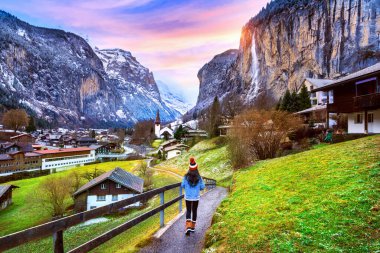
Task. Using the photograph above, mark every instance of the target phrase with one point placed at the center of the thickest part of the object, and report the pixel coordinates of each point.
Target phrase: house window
(370, 117)
(331, 97)
(102, 186)
(359, 118)
(101, 198)
(92, 207)
(114, 197)
(118, 186)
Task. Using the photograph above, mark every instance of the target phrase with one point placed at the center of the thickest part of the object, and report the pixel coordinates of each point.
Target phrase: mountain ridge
(72, 87)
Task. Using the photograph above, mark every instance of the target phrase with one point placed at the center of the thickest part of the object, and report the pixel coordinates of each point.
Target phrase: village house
(25, 138)
(103, 148)
(317, 113)
(19, 161)
(109, 187)
(358, 96)
(6, 195)
(86, 141)
(175, 150)
(66, 157)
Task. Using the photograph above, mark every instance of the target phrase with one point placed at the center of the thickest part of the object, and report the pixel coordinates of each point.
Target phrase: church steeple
(158, 120)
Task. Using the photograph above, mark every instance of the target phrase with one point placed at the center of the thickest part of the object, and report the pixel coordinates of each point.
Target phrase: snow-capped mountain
(56, 75)
(136, 87)
(173, 98)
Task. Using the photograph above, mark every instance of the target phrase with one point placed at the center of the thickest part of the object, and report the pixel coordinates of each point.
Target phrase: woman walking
(193, 184)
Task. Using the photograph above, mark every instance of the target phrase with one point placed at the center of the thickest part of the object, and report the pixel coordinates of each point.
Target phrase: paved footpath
(174, 239)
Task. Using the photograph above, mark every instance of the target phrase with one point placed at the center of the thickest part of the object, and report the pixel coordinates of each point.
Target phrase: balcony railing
(367, 101)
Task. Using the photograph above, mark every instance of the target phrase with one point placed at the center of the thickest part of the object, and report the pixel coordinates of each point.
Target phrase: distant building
(66, 157)
(6, 195)
(25, 138)
(175, 150)
(109, 187)
(358, 96)
(164, 132)
(86, 141)
(19, 161)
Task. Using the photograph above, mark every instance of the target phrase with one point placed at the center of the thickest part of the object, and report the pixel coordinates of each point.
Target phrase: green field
(211, 156)
(322, 200)
(21, 215)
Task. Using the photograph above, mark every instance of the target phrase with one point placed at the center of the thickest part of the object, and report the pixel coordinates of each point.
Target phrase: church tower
(157, 125)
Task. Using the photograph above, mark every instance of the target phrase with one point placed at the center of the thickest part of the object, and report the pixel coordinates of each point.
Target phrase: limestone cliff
(290, 40)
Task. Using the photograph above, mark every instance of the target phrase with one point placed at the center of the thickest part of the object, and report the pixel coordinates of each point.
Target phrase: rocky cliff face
(290, 40)
(57, 76)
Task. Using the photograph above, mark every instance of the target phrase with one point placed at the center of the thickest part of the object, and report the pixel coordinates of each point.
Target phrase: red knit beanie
(193, 165)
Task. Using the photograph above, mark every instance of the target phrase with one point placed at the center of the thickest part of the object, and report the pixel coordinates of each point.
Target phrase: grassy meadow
(20, 215)
(323, 200)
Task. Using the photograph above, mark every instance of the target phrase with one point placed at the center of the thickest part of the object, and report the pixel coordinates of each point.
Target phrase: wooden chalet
(109, 187)
(6, 195)
(358, 96)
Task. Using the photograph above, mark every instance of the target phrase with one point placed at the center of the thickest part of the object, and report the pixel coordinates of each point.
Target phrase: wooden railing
(367, 101)
(56, 228)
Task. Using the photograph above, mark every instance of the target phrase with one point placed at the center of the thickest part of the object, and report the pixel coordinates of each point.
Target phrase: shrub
(257, 134)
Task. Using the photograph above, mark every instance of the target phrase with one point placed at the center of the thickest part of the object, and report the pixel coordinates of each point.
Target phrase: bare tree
(90, 175)
(53, 195)
(15, 119)
(121, 135)
(143, 133)
(258, 134)
(146, 173)
(76, 182)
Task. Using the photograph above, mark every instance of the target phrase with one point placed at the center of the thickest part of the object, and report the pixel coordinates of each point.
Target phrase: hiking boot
(188, 227)
(192, 226)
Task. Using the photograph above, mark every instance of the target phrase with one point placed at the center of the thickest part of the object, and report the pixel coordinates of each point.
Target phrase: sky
(174, 39)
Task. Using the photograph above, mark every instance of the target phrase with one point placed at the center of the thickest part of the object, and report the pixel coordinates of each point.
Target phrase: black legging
(191, 206)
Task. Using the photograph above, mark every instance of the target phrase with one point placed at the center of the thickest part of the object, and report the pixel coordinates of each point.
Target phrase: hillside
(322, 200)
(211, 156)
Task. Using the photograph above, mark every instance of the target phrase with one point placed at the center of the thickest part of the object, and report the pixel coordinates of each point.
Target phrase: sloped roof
(178, 146)
(312, 109)
(319, 82)
(4, 157)
(118, 175)
(20, 135)
(5, 188)
(61, 150)
(361, 73)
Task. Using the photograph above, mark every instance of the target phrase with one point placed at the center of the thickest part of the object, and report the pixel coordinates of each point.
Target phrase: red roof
(61, 150)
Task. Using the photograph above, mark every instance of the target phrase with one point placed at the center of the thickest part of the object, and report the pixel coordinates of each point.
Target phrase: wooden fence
(56, 228)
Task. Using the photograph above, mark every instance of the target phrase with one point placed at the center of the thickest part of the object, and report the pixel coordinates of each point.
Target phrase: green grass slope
(323, 200)
(211, 156)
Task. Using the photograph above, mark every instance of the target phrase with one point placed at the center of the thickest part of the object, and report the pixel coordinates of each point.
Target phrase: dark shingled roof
(4, 157)
(5, 188)
(119, 176)
(359, 74)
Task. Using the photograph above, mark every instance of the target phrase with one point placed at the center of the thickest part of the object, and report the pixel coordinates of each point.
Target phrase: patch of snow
(93, 221)
(121, 114)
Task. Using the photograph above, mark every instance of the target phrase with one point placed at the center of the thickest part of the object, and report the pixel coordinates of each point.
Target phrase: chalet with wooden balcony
(358, 96)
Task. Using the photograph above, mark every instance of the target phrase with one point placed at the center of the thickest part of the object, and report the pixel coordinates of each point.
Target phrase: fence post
(162, 216)
(58, 241)
(180, 201)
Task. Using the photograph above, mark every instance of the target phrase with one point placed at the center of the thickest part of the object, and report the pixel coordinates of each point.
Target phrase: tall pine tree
(31, 127)
(294, 105)
(214, 117)
(286, 101)
(304, 99)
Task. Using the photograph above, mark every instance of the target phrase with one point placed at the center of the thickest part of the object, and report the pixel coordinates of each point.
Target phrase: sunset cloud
(172, 38)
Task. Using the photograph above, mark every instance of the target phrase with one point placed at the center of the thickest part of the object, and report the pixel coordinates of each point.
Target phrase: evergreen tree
(294, 105)
(179, 133)
(214, 117)
(304, 99)
(31, 127)
(286, 101)
(278, 105)
(92, 134)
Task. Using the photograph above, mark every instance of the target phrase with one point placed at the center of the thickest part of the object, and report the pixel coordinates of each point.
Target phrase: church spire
(158, 121)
